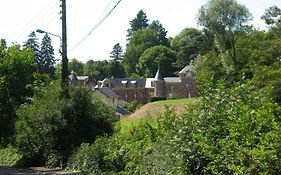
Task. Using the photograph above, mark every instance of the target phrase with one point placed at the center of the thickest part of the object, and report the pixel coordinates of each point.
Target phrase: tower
(159, 84)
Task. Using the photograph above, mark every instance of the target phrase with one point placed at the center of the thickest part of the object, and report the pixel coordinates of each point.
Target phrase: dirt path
(33, 171)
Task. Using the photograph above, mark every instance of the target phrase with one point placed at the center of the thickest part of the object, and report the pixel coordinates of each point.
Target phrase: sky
(19, 18)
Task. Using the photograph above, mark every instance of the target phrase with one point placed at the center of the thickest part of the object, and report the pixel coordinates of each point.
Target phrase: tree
(96, 69)
(161, 32)
(76, 66)
(188, 44)
(47, 61)
(272, 16)
(139, 22)
(115, 69)
(157, 57)
(51, 128)
(139, 42)
(117, 52)
(16, 79)
(33, 44)
(224, 18)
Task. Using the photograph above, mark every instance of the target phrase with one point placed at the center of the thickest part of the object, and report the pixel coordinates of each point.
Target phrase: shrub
(10, 157)
(50, 128)
(153, 99)
(231, 131)
(133, 106)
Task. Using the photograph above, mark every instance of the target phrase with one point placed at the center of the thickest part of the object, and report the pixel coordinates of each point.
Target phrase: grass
(175, 101)
(126, 126)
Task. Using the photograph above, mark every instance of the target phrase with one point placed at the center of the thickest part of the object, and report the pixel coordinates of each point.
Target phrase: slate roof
(130, 82)
(108, 92)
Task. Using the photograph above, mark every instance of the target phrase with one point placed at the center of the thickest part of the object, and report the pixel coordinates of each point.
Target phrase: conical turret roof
(158, 75)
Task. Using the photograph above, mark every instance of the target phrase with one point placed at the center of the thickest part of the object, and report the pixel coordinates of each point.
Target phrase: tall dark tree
(47, 58)
(117, 52)
(33, 44)
(139, 22)
(115, 69)
(161, 32)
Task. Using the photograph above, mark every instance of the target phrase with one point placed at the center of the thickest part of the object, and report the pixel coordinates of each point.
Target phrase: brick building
(129, 89)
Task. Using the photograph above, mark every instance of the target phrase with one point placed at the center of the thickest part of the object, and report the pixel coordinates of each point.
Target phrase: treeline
(235, 126)
(147, 49)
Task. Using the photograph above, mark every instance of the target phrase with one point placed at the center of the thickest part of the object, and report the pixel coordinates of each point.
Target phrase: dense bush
(133, 106)
(154, 98)
(230, 131)
(10, 157)
(50, 128)
(137, 152)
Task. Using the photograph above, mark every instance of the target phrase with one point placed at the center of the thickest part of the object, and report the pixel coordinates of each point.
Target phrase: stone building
(141, 89)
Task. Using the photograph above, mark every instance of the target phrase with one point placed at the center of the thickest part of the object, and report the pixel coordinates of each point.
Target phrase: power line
(95, 27)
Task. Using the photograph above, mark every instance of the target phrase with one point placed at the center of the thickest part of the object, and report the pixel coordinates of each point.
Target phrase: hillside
(150, 110)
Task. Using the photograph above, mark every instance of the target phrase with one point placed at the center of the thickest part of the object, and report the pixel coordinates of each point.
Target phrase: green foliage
(155, 98)
(140, 41)
(76, 66)
(155, 57)
(10, 157)
(228, 133)
(16, 79)
(272, 15)
(50, 128)
(117, 52)
(115, 69)
(188, 44)
(133, 106)
(96, 69)
(139, 22)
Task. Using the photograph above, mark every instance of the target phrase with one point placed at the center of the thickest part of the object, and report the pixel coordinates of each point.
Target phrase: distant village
(116, 92)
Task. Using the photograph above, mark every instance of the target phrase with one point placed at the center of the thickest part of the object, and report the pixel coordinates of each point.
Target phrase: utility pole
(64, 70)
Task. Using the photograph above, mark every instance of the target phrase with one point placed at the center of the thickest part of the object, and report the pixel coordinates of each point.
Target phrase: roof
(158, 75)
(107, 92)
(185, 69)
(172, 80)
(130, 82)
(121, 110)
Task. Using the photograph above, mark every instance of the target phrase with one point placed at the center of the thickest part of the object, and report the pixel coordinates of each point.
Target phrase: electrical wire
(98, 24)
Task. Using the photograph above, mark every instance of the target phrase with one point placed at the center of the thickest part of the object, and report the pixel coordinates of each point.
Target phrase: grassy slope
(150, 110)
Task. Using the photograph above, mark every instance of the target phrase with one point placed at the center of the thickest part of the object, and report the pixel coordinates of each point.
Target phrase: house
(107, 96)
(141, 89)
(81, 80)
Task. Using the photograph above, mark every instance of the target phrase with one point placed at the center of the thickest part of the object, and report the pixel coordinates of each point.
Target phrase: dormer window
(134, 83)
(125, 84)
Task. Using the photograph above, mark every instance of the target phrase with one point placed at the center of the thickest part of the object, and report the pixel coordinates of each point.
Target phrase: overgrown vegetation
(50, 128)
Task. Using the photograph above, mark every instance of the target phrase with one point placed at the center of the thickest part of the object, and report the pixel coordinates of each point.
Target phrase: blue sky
(19, 18)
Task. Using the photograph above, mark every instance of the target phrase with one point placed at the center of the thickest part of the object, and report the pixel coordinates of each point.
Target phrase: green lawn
(176, 101)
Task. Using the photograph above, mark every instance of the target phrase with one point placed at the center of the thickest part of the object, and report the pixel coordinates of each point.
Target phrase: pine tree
(140, 22)
(117, 52)
(47, 61)
(32, 43)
